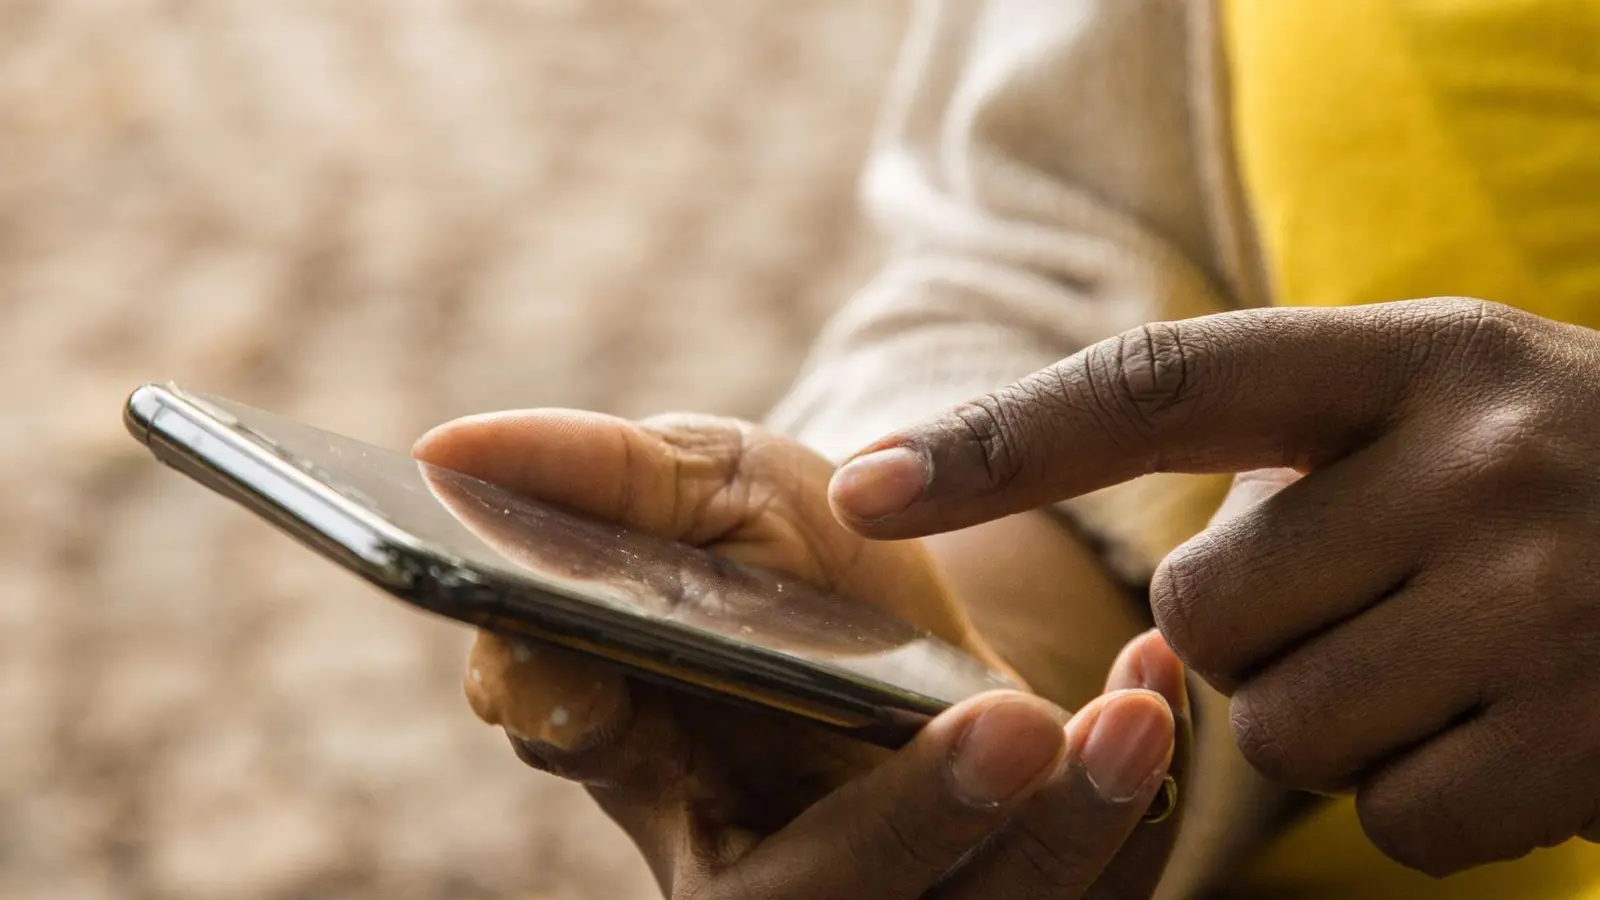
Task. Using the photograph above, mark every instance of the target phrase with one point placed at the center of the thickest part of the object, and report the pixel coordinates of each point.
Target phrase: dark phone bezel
(184, 434)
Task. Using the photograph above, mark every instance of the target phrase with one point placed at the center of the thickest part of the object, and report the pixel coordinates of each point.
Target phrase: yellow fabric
(1410, 148)
(1407, 148)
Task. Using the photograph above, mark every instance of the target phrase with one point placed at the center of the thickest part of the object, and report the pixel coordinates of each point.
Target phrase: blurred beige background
(374, 214)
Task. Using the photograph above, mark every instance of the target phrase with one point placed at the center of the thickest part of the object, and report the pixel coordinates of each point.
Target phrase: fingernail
(1128, 746)
(879, 484)
(1011, 745)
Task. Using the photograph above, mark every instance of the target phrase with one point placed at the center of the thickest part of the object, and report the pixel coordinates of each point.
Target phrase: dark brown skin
(1401, 596)
(1004, 796)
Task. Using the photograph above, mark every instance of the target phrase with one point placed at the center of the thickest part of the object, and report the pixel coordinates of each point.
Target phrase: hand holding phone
(696, 553)
(792, 616)
(748, 496)
(739, 806)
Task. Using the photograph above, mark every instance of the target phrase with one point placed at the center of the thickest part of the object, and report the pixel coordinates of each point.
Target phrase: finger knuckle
(1513, 449)
(1466, 333)
(1493, 329)
(916, 842)
(994, 436)
(1540, 585)
(1263, 736)
(1145, 377)
(1046, 863)
(1180, 592)
(1278, 734)
(1413, 828)
(709, 456)
(707, 445)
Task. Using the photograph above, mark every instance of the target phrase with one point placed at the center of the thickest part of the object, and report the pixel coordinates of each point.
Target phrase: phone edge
(429, 579)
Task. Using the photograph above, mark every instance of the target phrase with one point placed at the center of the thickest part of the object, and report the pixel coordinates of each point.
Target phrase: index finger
(1242, 390)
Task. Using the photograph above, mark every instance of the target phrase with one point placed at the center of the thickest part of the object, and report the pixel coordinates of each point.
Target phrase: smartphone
(661, 610)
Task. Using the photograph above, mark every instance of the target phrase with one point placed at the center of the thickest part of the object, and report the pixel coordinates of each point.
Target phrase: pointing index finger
(1234, 391)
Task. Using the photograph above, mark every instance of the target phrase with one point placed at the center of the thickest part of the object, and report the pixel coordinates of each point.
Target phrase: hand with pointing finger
(1405, 605)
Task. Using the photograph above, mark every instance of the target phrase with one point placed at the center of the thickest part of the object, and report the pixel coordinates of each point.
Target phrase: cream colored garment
(1047, 171)
(1052, 172)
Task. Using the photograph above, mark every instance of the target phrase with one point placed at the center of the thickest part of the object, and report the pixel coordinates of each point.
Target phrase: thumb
(1242, 390)
(656, 478)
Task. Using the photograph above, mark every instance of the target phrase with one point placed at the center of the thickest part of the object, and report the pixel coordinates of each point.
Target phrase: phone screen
(672, 586)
